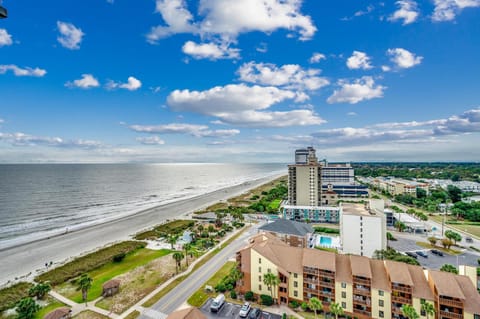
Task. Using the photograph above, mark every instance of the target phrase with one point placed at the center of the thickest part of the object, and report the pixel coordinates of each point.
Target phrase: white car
(244, 310)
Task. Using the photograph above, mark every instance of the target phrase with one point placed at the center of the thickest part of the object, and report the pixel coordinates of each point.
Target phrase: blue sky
(241, 81)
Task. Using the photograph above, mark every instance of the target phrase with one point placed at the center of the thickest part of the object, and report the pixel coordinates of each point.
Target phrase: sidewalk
(78, 308)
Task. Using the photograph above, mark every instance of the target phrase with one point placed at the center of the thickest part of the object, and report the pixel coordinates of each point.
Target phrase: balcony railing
(361, 281)
(452, 315)
(359, 301)
(362, 312)
(326, 273)
(329, 284)
(325, 293)
(406, 289)
(397, 310)
(363, 292)
(450, 302)
(402, 300)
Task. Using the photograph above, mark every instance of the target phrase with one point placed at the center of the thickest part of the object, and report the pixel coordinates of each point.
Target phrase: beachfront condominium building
(363, 228)
(304, 179)
(363, 287)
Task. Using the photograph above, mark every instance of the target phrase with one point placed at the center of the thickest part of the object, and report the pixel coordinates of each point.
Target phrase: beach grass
(87, 314)
(87, 263)
(171, 228)
(11, 295)
(199, 297)
(110, 270)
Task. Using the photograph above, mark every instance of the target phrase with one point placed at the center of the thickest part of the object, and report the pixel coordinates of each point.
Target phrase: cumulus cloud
(22, 139)
(18, 71)
(150, 140)
(210, 51)
(359, 60)
(291, 76)
(70, 36)
(404, 59)
(229, 18)
(131, 85)
(86, 82)
(181, 128)
(317, 57)
(447, 10)
(5, 38)
(356, 91)
(407, 11)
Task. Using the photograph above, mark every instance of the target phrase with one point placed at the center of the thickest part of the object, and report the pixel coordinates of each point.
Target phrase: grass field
(199, 297)
(52, 305)
(103, 274)
(474, 230)
(173, 227)
(275, 204)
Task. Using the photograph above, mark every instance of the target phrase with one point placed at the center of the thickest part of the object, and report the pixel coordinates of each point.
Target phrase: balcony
(311, 290)
(325, 273)
(363, 291)
(397, 310)
(329, 284)
(310, 271)
(314, 281)
(360, 301)
(452, 315)
(402, 300)
(362, 312)
(283, 285)
(361, 281)
(325, 293)
(450, 302)
(406, 289)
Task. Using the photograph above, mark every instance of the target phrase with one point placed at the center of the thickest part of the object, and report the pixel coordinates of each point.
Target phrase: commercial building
(363, 287)
(316, 214)
(399, 186)
(363, 228)
(304, 179)
(337, 173)
(294, 233)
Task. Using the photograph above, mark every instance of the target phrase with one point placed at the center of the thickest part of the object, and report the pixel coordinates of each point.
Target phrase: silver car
(245, 310)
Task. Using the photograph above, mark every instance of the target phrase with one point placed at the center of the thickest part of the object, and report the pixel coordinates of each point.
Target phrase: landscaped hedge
(88, 262)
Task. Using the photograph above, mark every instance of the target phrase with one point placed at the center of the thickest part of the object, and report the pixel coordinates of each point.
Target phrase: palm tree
(316, 305)
(275, 283)
(428, 308)
(268, 280)
(40, 290)
(172, 239)
(400, 226)
(409, 312)
(235, 273)
(26, 308)
(336, 309)
(178, 256)
(84, 284)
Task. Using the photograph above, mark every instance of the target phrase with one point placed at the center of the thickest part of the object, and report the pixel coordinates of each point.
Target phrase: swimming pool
(325, 241)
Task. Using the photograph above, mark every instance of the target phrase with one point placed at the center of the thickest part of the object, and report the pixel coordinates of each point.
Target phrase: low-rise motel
(363, 287)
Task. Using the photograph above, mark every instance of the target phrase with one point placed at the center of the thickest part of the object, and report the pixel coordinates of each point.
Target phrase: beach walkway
(78, 308)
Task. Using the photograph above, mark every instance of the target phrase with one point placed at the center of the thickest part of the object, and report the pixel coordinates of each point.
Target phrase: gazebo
(59, 313)
(111, 287)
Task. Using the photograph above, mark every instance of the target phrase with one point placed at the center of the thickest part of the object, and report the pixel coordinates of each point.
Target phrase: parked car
(409, 253)
(469, 239)
(421, 253)
(217, 303)
(255, 314)
(245, 310)
(437, 252)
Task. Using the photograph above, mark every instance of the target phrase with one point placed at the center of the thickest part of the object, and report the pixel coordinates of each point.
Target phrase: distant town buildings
(397, 186)
(363, 287)
(363, 228)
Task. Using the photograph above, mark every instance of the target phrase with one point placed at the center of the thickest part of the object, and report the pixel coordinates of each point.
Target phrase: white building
(363, 228)
(304, 179)
(337, 174)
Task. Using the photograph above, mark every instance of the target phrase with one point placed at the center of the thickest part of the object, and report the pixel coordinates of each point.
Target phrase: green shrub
(249, 296)
(11, 295)
(284, 316)
(220, 287)
(119, 257)
(266, 300)
(326, 230)
(233, 294)
(293, 304)
(304, 306)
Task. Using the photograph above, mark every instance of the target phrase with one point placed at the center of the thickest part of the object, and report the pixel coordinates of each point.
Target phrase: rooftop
(187, 313)
(285, 226)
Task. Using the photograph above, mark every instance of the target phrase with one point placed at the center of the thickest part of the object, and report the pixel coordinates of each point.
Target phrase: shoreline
(26, 260)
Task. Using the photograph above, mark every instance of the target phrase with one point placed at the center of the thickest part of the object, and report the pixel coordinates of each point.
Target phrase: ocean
(41, 200)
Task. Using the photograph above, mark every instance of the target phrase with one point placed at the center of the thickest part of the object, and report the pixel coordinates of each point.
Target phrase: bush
(228, 286)
(233, 294)
(266, 300)
(119, 257)
(220, 287)
(284, 316)
(293, 304)
(249, 296)
(11, 295)
(304, 306)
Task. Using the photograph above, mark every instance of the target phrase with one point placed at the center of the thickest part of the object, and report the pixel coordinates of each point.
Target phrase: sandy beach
(28, 259)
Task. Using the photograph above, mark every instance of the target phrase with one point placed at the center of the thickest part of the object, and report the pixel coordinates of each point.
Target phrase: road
(176, 297)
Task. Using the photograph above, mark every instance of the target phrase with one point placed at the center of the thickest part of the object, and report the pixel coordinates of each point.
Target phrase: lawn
(87, 314)
(133, 315)
(112, 269)
(200, 296)
(474, 230)
(275, 204)
(52, 305)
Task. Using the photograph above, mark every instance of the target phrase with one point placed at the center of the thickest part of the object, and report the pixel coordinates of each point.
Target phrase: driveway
(230, 310)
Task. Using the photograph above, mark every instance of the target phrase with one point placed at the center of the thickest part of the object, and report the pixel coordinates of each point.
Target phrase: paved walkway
(77, 308)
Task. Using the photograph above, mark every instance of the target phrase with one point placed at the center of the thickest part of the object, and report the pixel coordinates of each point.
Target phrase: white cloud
(229, 18)
(18, 71)
(352, 114)
(70, 36)
(150, 140)
(357, 91)
(447, 10)
(364, 12)
(230, 98)
(317, 57)
(2, 121)
(131, 85)
(386, 68)
(181, 128)
(404, 59)
(87, 81)
(291, 76)
(5, 38)
(359, 60)
(210, 51)
(407, 11)
(22, 139)
(262, 47)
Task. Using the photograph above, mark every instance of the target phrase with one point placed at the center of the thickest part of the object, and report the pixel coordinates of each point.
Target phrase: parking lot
(230, 310)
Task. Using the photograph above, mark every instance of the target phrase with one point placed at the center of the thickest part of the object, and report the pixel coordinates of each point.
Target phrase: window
(259, 260)
(259, 278)
(380, 314)
(344, 294)
(380, 292)
(259, 269)
(423, 313)
(344, 305)
(259, 287)
(344, 285)
(295, 284)
(361, 235)
(269, 270)
(295, 293)
(380, 303)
